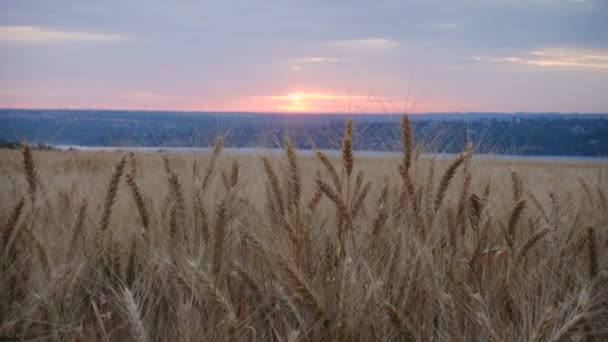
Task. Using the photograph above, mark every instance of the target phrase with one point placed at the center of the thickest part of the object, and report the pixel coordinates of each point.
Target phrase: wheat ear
(29, 168)
(446, 179)
(217, 149)
(527, 246)
(347, 148)
(306, 296)
(139, 200)
(219, 236)
(592, 254)
(275, 186)
(294, 181)
(138, 330)
(514, 218)
(331, 170)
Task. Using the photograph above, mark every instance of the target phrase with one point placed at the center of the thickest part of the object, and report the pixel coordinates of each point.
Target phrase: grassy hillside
(104, 246)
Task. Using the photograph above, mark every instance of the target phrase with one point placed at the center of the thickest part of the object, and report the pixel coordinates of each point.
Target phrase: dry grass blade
(579, 315)
(43, 257)
(77, 231)
(9, 228)
(398, 322)
(131, 271)
(111, 192)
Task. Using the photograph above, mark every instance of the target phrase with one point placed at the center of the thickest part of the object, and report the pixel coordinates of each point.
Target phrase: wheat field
(152, 247)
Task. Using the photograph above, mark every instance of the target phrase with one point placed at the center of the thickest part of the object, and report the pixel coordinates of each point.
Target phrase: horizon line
(296, 113)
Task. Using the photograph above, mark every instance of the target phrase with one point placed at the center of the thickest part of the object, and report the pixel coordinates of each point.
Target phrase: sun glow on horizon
(301, 101)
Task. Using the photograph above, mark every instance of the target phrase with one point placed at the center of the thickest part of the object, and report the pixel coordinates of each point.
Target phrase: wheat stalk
(234, 174)
(132, 261)
(9, 228)
(592, 254)
(111, 192)
(77, 231)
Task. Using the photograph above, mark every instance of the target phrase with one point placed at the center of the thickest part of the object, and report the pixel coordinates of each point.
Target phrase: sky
(342, 56)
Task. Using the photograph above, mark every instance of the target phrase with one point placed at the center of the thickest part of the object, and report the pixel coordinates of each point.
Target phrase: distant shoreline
(308, 152)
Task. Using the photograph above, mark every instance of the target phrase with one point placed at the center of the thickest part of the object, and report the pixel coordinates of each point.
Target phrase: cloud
(369, 43)
(33, 34)
(548, 3)
(556, 58)
(306, 60)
